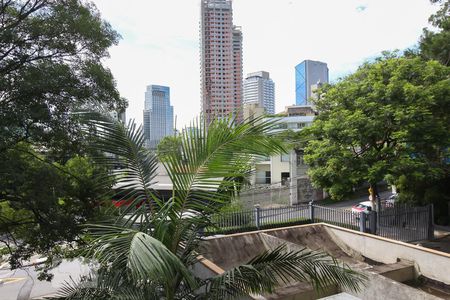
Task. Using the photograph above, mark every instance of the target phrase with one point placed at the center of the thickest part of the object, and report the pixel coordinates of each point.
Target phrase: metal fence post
(431, 222)
(373, 222)
(362, 221)
(257, 215)
(311, 211)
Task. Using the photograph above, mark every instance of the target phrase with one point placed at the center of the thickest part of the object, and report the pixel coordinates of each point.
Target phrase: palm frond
(133, 166)
(279, 266)
(213, 153)
(107, 285)
(209, 169)
(136, 254)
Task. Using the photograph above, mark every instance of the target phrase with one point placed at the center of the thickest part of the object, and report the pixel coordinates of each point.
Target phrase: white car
(365, 206)
(390, 202)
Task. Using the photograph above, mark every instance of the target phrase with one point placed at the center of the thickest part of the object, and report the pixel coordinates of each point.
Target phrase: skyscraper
(221, 60)
(308, 73)
(158, 115)
(259, 88)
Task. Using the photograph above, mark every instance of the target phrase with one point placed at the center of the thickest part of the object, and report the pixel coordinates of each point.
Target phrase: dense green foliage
(150, 250)
(50, 65)
(435, 43)
(169, 144)
(42, 204)
(388, 120)
(50, 68)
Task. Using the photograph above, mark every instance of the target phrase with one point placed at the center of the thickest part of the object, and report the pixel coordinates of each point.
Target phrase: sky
(160, 42)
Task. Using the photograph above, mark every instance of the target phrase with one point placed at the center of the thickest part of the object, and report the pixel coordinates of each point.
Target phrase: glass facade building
(158, 115)
(308, 75)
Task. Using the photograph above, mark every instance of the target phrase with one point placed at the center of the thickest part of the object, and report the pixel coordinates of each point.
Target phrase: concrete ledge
(372, 236)
(210, 265)
(400, 272)
(427, 262)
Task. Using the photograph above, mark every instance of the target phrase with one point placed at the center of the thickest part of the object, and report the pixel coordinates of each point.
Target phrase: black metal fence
(338, 217)
(233, 222)
(399, 222)
(406, 223)
(259, 218)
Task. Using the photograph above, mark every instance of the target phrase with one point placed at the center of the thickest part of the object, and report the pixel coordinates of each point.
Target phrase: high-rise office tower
(308, 74)
(259, 88)
(221, 61)
(158, 115)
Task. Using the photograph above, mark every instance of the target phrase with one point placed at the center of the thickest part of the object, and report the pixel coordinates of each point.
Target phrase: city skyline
(165, 47)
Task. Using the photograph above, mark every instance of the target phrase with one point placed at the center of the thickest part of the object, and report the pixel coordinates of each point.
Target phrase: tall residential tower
(221, 61)
(308, 74)
(259, 88)
(158, 115)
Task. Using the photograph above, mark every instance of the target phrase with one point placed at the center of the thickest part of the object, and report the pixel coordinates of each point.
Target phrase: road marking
(11, 280)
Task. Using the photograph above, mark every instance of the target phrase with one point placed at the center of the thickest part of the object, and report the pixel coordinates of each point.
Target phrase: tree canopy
(43, 204)
(435, 43)
(388, 119)
(50, 66)
(51, 54)
(168, 145)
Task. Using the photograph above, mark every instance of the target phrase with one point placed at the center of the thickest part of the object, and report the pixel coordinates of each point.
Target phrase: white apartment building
(277, 169)
(259, 88)
(289, 169)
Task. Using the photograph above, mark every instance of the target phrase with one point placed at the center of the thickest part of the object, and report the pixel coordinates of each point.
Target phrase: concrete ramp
(232, 250)
(385, 276)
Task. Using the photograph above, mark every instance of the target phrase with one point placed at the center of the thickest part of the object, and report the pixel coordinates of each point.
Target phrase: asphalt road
(349, 203)
(22, 284)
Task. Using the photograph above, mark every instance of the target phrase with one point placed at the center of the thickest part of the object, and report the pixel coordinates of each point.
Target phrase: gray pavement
(22, 284)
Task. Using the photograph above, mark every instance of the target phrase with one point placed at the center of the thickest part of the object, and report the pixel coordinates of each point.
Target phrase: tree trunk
(372, 195)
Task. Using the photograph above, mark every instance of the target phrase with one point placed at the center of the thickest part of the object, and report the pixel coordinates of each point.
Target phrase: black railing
(399, 222)
(343, 218)
(405, 223)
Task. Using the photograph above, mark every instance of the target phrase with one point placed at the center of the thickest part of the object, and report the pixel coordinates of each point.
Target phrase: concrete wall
(349, 246)
(260, 172)
(232, 250)
(277, 166)
(429, 263)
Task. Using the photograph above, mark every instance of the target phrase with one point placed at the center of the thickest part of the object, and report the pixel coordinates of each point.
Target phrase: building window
(285, 178)
(285, 157)
(268, 177)
(300, 161)
(280, 126)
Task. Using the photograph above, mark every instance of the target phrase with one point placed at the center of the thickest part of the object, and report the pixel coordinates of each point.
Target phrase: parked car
(365, 206)
(392, 198)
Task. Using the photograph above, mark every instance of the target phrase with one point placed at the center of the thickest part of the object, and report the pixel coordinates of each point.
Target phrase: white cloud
(160, 42)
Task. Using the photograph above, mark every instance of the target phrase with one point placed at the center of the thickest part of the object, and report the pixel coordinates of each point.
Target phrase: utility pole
(175, 126)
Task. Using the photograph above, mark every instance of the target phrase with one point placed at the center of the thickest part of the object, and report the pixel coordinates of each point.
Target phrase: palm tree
(148, 252)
